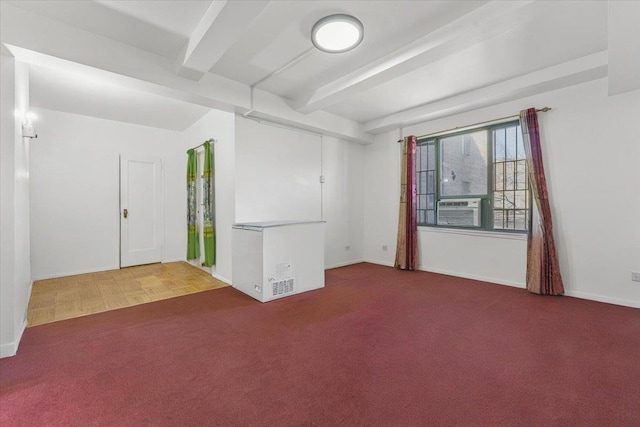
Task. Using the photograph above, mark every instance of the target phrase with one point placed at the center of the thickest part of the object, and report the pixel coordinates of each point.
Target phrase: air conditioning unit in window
(459, 212)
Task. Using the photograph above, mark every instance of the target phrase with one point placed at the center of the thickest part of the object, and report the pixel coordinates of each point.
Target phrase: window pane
(498, 153)
(431, 217)
(431, 201)
(431, 182)
(521, 175)
(421, 216)
(422, 202)
(422, 155)
(509, 199)
(499, 176)
(498, 200)
(509, 178)
(466, 147)
(431, 155)
(520, 144)
(511, 195)
(422, 184)
(510, 143)
(498, 219)
(466, 187)
(520, 220)
(458, 167)
(521, 199)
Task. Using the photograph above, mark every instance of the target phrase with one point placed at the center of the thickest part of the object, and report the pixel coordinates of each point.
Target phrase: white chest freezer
(271, 260)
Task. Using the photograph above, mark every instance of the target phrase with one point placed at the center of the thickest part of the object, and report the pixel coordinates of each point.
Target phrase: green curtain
(193, 239)
(208, 202)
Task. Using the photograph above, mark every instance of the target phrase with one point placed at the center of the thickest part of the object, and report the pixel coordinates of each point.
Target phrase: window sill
(510, 235)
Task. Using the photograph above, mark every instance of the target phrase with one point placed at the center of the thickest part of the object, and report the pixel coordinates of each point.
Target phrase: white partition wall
(277, 173)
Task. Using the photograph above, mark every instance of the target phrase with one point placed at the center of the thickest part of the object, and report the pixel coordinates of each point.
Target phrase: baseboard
(222, 279)
(569, 293)
(375, 261)
(164, 261)
(19, 337)
(343, 264)
(475, 277)
(10, 349)
(75, 273)
(207, 269)
(602, 298)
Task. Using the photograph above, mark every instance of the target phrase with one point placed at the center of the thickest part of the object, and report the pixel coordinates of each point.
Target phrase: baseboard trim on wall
(222, 279)
(26, 309)
(164, 261)
(569, 293)
(10, 349)
(475, 277)
(375, 261)
(75, 273)
(343, 264)
(602, 298)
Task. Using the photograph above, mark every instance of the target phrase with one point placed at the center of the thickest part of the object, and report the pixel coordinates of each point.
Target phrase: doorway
(141, 210)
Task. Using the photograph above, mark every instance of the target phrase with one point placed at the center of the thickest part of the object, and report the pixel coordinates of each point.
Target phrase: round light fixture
(337, 33)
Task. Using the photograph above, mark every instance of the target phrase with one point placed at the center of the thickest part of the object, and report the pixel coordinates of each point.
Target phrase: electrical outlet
(384, 247)
(635, 276)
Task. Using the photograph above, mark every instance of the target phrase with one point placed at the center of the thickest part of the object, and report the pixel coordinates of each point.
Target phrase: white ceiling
(81, 93)
(415, 56)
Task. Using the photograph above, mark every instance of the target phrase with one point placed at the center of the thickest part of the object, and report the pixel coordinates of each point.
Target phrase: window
(477, 177)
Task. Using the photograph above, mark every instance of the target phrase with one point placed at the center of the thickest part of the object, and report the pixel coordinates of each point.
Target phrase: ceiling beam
(581, 70)
(487, 21)
(61, 46)
(624, 46)
(220, 27)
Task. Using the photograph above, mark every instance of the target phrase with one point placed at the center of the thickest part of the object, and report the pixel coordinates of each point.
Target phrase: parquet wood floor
(74, 296)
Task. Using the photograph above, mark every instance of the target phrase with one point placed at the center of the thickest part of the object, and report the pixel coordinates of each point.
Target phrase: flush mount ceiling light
(337, 33)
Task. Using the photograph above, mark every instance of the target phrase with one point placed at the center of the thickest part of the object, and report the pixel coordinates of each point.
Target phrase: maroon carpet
(375, 347)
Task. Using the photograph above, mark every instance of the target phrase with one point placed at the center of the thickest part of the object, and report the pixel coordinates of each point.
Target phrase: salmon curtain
(407, 246)
(543, 269)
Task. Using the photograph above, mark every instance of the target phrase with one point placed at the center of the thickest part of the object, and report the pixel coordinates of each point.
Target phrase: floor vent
(283, 287)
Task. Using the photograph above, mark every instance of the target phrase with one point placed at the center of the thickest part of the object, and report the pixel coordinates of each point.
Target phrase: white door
(141, 219)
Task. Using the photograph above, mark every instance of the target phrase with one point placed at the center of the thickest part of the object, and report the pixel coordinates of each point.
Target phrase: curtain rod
(541, 110)
(198, 146)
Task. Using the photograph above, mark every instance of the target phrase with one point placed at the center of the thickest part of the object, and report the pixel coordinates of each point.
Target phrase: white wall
(21, 208)
(15, 269)
(343, 201)
(278, 178)
(592, 162)
(381, 198)
(7, 180)
(221, 126)
(75, 191)
(278, 173)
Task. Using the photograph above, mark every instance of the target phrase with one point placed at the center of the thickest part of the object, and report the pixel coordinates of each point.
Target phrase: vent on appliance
(459, 212)
(283, 287)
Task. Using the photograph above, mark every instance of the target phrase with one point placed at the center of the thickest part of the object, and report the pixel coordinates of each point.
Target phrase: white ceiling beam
(570, 73)
(220, 27)
(624, 46)
(488, 21)
(61, 46)
(276, 109)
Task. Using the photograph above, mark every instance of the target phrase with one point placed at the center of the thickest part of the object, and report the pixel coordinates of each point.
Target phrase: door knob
(125, 213)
